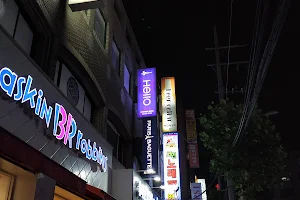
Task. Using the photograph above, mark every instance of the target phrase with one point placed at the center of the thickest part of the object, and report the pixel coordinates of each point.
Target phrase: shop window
(100, 27)
(127, 78)
(15, 24)
(116, 56)
(6, 185)
(114, 138)
(73, 90)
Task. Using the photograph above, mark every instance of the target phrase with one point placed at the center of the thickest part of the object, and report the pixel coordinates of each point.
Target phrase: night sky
(173, 35)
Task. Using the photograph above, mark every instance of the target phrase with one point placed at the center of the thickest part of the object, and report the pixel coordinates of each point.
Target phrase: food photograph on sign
(171, 166)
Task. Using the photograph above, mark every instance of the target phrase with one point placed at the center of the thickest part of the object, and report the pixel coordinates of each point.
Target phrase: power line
(265, 62)
(229, 48)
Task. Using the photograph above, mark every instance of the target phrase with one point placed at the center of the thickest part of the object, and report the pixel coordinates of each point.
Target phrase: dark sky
(173, 36)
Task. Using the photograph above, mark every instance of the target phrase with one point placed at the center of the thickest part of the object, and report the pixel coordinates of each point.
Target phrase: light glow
(171, 166)
(168, 100)
(64, 125)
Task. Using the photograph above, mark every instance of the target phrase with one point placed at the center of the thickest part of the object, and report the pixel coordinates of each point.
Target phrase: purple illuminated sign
(146, 92)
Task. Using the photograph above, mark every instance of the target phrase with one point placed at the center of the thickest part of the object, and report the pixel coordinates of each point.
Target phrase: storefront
(47, 147)
(128, 185)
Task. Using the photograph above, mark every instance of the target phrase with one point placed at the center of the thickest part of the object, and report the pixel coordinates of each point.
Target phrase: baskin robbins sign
(146, 93)
(64, 125)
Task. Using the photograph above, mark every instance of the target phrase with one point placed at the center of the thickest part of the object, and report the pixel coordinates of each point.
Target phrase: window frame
(21, 11)
(11, 183)
(129, 81)
(100, 12)
(118, 69)
(56, 81)
(119, 157)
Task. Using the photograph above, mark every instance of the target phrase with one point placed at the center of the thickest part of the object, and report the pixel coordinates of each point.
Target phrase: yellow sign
(168, 102)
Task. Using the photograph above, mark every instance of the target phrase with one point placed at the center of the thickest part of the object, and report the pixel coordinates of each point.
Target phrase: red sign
(193, 155)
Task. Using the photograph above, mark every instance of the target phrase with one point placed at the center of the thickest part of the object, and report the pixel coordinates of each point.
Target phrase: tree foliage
(255, 163)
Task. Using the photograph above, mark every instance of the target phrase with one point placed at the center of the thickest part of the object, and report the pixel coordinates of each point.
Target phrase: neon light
(9, 80)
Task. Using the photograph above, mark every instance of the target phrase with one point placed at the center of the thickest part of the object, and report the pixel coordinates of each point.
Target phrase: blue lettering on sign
(12, 85)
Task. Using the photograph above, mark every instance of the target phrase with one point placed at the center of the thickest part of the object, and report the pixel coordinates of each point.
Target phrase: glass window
(87, 108)
(72, 89)
(113, 138)
(15, 24)
(100, 27)
(115, 56)
(127, 78)
(6, 184)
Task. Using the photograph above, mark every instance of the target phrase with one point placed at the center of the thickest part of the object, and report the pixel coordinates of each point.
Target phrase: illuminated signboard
(198, 190)
(169, 117)
(78, 5)
(64, 125)
(171, 166)
(146, 93)
(150, 144)
(190, 124)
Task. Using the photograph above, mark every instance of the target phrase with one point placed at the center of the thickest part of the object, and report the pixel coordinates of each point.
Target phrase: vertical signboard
(191, 133)
(169, 117)
(171, 166)
(146, 93)
(193, 155)
(198, 190)
(150, 144)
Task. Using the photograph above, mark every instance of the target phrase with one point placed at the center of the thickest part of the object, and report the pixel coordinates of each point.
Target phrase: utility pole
(219, 70)
(221, 90)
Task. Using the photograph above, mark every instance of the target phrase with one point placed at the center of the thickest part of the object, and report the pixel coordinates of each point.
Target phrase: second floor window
(73, 90)
(15, 24)
(100, 27)
(116, 141)
(116, 56)
(127, 78)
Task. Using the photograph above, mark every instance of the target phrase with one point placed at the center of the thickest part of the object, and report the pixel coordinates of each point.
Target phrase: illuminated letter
(8, 87)
(71, 123)
(19, 94)
(83, 145)
(38, 102)
(29, 94)
(79, 137)
(95, 152)
(89, 150)
(59, 110)
(47, 113)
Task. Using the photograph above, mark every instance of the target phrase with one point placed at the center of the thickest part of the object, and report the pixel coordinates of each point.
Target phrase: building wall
(60, 33)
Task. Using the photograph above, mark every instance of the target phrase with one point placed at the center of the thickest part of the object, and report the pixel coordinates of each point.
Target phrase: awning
(97, 194)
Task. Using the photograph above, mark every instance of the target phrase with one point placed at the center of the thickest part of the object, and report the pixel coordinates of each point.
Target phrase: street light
(162, 187)
(148, 171)
(156, 178)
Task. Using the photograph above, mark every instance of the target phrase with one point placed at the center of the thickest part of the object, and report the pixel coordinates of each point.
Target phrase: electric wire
(229, 43)
(251, 70)
(266, 59)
